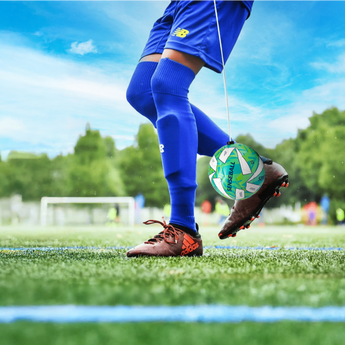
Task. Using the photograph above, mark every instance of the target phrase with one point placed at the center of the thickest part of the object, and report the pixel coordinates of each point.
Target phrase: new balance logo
(188, 245)
(180, 32)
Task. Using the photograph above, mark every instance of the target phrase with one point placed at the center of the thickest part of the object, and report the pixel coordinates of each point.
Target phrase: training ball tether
(236, 171)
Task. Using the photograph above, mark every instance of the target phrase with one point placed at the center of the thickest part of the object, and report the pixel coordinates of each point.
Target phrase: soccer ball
(236, 171)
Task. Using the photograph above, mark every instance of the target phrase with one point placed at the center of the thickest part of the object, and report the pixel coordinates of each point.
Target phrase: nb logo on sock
(161, 148)
(180, 32)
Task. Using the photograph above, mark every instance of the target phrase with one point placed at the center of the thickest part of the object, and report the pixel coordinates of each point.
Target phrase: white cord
(224, 78)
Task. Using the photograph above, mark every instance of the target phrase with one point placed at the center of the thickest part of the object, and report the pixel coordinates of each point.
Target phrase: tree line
(314, 161)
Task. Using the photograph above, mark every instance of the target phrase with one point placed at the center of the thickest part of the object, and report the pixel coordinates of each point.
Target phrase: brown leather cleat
(169, 242)
(246, 210)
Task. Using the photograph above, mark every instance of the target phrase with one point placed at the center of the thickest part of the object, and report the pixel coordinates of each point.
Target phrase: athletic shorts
(191, 27)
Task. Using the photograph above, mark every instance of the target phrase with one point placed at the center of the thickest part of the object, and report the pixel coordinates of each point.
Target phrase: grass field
(102, 276)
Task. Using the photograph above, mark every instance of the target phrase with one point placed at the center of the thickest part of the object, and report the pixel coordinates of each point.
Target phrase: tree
(141, 168)
(321, 153)
(249, 141)
(90, 147)
(29, 175)
(110, 149)
(93, 172)
(5, 173)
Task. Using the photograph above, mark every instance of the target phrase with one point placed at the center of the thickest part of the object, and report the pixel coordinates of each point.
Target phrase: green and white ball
(236, 171)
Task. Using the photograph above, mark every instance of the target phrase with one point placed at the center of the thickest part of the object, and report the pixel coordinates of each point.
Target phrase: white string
(224, 78)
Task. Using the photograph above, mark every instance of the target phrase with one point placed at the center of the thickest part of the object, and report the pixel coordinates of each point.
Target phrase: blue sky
(63, 64)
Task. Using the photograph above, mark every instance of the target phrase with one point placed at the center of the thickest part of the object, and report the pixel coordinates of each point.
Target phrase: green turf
(282, 333)
(234, 277)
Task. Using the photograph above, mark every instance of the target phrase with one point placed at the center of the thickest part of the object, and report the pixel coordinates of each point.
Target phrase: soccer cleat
(169, 242)
(246, 210)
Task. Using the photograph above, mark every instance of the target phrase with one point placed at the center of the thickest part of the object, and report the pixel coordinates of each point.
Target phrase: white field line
(204, 313)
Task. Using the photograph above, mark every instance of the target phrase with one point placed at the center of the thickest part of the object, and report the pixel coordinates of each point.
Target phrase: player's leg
(177, 132)
(178, 138)
(139, 95)
(172, 241)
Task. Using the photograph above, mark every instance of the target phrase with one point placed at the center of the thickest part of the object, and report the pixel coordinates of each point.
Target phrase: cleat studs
(248, 226)
(283, 184)
(287, 185)
(220, 235)
(275, 193)
(252, 218)
(279, 194)
(258, 216)
(234, 235)
(230, 235)
(242, 227)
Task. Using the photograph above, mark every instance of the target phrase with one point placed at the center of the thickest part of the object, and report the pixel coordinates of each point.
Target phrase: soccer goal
(126, 201)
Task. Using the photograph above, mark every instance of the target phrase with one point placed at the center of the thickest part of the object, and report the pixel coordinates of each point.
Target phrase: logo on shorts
(180, 32)
(161, 148)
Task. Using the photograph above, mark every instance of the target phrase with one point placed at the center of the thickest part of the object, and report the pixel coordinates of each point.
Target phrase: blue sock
(139, 95)
(178, 137)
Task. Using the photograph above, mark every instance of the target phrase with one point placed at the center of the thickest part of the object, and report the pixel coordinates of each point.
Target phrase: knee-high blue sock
(178, 137)
(139, 95)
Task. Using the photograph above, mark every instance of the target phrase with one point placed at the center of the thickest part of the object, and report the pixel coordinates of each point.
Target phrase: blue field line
(205, 313)
(47, 249)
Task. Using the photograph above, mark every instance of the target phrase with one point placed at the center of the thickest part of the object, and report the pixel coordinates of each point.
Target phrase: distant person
(310, 212)
(222, 209)
(167, 211)
(206, 209)
(112, 216)
(325, 204)
(183, 41)
(139, 205)
(340, 214)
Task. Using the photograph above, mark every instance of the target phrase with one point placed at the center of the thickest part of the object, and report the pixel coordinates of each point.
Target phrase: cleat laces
(165, 235)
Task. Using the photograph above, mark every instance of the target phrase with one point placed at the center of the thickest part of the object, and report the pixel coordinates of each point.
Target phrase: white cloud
(338, 43)
(336, 67)
(46, 101)
(83, 48)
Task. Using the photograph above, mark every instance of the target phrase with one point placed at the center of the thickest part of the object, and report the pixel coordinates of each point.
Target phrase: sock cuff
(171, 77)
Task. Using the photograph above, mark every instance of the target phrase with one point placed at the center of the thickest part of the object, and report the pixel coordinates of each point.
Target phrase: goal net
(97, 210)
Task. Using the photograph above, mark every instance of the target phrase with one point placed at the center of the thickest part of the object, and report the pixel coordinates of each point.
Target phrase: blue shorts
(191, 27)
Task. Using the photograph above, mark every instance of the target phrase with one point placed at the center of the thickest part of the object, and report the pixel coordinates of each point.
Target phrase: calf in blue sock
(178, 137)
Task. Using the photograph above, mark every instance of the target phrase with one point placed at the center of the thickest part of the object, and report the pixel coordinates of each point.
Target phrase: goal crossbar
(88, 200)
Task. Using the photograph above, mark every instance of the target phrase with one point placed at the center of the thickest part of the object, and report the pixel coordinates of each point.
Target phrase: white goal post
(87, 200)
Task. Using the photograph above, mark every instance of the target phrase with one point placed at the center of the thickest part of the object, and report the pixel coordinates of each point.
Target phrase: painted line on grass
(43, 249)
(206, 313)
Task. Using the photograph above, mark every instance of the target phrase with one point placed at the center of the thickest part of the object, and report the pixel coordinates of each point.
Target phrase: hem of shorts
(150, 52)
(210, 63)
